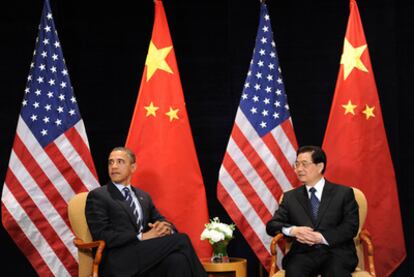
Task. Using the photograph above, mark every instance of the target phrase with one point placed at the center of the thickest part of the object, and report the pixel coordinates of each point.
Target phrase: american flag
(50, 161)
(257, 166)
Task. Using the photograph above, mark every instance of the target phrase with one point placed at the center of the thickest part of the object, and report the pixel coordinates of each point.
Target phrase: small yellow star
(369, 112)
(156, 60)
(349, 107)
(172, 114)
(351, 57)
(151, 109)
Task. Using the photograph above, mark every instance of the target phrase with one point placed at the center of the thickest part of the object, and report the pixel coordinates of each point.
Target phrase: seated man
(139, 240)
(321, 217)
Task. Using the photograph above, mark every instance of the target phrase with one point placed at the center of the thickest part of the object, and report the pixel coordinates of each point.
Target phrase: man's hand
(158, 229)
(306, 235)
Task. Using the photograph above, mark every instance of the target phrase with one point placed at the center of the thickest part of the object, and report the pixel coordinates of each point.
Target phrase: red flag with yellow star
(160, 136)
(357, 148)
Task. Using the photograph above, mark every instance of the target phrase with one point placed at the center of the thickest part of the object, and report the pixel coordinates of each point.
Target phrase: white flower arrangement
(216, 231)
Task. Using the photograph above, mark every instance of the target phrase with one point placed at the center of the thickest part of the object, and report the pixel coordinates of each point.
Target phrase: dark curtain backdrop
(105, 45)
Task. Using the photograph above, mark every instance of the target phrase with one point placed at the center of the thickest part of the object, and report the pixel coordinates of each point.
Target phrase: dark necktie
(314, 203)
(131, 203)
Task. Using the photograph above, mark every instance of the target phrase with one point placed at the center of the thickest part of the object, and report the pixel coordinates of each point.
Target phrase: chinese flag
(160, 136)
(357, 148)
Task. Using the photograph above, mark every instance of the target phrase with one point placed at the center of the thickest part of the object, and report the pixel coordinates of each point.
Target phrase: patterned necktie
(314, 203)
(131, 203)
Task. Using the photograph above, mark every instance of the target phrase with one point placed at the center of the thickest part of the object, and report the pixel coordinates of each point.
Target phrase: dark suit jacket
(337, 221)
(110, 219)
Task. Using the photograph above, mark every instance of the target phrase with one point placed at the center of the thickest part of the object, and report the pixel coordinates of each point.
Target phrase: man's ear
(133, 167)
(320, 167)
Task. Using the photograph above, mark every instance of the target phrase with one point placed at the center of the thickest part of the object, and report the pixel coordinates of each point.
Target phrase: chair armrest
(99, 244)
(365, 237)
(273, 245)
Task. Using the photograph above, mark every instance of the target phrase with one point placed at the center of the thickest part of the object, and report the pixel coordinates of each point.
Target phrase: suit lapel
(303, 198)
(120, 200)
(326, 198)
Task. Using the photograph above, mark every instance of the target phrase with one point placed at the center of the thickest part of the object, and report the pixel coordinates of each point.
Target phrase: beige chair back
(76, 212)
(363, 209)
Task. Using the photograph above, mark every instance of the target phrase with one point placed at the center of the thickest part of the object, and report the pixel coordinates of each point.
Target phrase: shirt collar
(121, 186)
(318, 186)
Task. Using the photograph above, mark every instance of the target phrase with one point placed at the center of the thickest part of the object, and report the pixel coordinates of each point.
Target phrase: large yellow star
(151, 109)
(156, 60)
(369, 112)
(349, 107)
(172, 114)
(351, 57)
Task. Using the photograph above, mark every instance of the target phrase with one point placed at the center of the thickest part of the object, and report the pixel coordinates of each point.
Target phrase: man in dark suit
(139, 240)
(320, 217)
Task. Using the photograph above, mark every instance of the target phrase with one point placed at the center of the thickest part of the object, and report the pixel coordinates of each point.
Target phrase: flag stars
(24, 103)
(49, 16)
(72, 112)
(244, 96)
(29, 78)
(266, 101)
(269, 77)
(265, 112)
(257, 87)
(263, 124)
(272, 54)
(253, 110)
(156, 60)
(255, 98)
(287, 107)
(172, 114)
(369, 112)
(26, 90)
(51, 82)
(63, 84)
(260, 63)
(351, 58)
(266, 17)
(53, 69)
(278, 92)
(46, 119)
(279, 80)
(64, 72)
(36, 105)
(265, 29)
(73, 99)
(247, 85)
(275, 115)
(271, 66)
(262, 52)
(56, 44)
(277, 104)
(44, 132)
(44, 54)
(58, 122)
(61, 97)
(50, 94)
(33, 117)
(38, 92)
(48, 107)
(55, 57)
(40, 80)
(45, 41)
(60, 109)
(268, 89)
(349, 108)
(259, 75)
(47, 29)
(151, 110)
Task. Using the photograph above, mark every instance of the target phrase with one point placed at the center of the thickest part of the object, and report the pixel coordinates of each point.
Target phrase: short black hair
(317, 154)
(128, 151)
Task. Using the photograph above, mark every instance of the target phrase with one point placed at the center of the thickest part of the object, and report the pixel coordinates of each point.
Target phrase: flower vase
(220, 252)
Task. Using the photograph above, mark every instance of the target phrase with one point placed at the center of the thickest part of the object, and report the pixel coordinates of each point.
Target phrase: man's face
(308, 172)
(120, 167)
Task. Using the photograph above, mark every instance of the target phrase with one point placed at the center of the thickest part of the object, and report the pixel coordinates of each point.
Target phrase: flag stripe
(81, 148)
(255, 161)
(262, 150)
(258, 244)
(253, 196)
(32, 233)
(46, 224)
(43, 160)
(22, 161)
(251, 175)
(32, 192)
